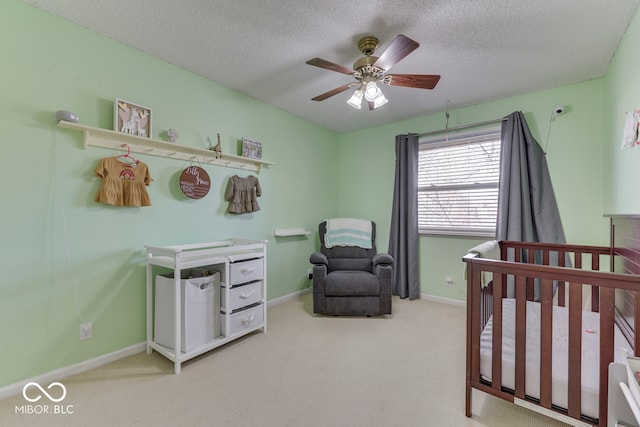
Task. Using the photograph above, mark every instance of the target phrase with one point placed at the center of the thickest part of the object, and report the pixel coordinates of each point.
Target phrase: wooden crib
(510, 344)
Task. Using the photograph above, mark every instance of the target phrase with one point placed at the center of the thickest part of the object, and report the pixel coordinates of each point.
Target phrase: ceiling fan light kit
(370, 70)
(379, 101)
(371, 91)
(356, 99)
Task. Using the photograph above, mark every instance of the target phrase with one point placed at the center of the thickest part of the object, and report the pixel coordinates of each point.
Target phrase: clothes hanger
(127, 157)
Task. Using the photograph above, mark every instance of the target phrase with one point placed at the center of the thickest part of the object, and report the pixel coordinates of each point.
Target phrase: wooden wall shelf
(105, 138)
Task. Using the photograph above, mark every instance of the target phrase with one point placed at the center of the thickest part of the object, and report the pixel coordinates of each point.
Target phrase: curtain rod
(453, 129)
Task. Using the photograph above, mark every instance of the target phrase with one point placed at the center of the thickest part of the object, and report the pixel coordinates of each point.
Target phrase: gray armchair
(350, 280)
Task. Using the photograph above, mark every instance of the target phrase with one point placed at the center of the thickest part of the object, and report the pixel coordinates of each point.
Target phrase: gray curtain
(527, 208)
(403, 238)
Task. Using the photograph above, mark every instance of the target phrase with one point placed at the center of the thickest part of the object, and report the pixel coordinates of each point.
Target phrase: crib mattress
(590, 353)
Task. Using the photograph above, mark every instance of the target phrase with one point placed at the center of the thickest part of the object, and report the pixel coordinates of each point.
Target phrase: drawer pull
(247, 270)
(246, 320)
(247, 294)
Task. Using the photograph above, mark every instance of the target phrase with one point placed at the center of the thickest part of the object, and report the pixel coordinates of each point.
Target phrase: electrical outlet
(310, 273)
(86, 331)
(449, 280)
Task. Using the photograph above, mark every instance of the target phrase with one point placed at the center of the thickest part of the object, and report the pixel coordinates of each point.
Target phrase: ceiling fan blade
(399, 48)
(332, 92)
(327, 65)
(421, 81)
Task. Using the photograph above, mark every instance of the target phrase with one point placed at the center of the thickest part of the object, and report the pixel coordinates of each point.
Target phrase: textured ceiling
(484, 49)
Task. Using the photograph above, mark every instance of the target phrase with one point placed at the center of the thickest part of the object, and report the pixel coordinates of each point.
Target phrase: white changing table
(243, 290)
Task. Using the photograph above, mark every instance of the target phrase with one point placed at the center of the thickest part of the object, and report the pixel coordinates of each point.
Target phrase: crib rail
(562, 255)
(525, 266)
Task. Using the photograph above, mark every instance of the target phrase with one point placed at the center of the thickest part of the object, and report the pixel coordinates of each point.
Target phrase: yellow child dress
(123, 184)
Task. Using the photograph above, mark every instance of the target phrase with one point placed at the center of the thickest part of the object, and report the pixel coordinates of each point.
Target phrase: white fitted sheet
(590, 353)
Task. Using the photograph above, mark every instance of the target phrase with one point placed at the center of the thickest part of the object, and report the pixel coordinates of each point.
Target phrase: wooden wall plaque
(195, 182)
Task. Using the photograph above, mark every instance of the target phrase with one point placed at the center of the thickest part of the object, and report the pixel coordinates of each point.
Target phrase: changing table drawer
(242, 296)
(246, 271)
(246, 319)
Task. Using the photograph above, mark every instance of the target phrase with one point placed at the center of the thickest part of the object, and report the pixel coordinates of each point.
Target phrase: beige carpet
(403, 370)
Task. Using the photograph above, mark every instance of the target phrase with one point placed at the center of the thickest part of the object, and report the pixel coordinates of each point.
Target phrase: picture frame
(132, 119)
(251, 149)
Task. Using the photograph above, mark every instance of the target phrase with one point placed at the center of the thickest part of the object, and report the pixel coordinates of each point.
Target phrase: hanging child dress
(123, 184)
(242, 194)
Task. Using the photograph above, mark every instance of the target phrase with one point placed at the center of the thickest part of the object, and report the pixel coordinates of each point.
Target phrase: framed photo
(251, 149)
(131, 118)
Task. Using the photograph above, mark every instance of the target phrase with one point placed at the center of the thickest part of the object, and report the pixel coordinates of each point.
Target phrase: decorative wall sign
(630, 134)
(195, 182)
(131, 118)
(251, 149)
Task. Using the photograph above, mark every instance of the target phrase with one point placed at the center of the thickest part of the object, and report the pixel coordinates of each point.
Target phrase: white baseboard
(67, 371)
(59, 374)
(288, 297)
(444, 300)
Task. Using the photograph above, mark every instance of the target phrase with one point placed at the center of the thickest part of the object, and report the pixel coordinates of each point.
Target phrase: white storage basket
(200, 309)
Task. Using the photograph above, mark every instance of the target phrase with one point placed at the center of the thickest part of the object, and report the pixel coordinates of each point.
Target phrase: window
(458, 177)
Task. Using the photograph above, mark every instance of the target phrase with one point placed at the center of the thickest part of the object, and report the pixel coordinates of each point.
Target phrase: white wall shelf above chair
(105, 138)
(283, 232)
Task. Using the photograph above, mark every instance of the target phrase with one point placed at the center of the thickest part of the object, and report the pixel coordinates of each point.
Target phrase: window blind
(458, 179)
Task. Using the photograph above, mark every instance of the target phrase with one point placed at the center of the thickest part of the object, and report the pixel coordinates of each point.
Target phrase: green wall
(574, 155)
(622, 94)
(66, 258)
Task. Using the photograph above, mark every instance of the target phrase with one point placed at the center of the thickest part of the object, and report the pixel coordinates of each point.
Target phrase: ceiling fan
(370, 70)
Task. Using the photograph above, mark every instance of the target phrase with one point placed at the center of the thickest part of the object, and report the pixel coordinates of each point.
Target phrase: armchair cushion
(363, 264)
(352, 283)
